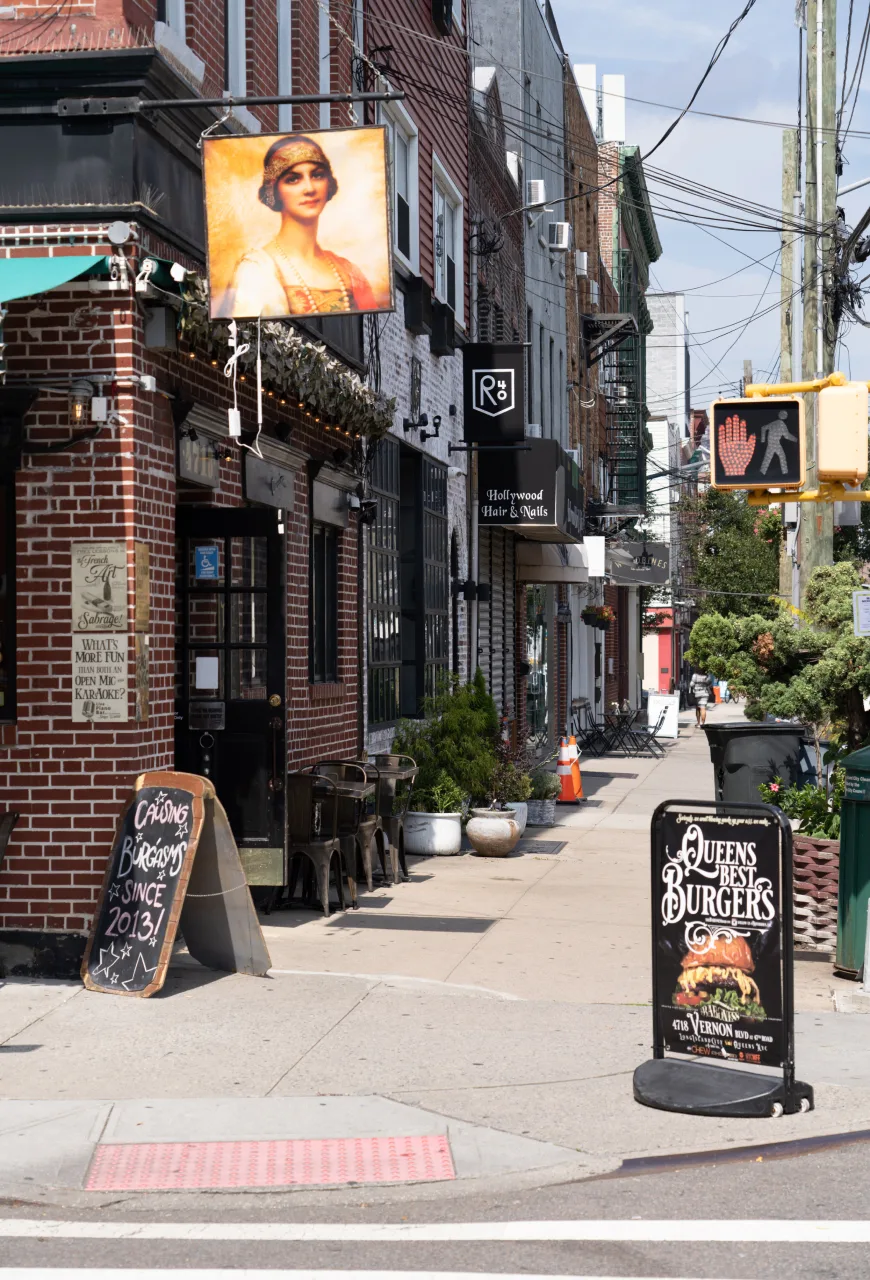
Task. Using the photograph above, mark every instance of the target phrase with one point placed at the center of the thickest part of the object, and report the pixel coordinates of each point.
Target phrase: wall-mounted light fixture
(80, 395)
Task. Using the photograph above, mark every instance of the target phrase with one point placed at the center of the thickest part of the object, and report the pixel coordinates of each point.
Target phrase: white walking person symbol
(774, 433)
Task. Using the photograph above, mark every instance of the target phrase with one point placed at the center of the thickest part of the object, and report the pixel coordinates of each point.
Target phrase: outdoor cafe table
(619, 725)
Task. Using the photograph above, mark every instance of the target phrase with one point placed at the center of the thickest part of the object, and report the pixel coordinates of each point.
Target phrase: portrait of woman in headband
(293, 273)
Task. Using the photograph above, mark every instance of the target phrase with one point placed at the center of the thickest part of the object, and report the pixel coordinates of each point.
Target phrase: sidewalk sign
(723, 980)
(174, 863)
(670, 704)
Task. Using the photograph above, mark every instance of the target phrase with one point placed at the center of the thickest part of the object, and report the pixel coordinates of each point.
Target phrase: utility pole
(789, 334)
(816, 533)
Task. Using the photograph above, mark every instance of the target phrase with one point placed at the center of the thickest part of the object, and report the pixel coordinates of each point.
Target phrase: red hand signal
(735, 447)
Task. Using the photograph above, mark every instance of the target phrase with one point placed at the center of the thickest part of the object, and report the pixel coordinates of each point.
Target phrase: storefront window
(385, 652)
(537, 683)
(7, 603)
(324, 604)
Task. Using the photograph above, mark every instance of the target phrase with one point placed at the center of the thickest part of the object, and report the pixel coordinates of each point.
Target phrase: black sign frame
(749, 419)
(674, 1080)
(488, 360)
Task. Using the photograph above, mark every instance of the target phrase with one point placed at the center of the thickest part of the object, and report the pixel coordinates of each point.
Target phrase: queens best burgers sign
(717, 916)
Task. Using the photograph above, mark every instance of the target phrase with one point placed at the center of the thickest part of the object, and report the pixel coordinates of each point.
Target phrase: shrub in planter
(434, 824)
(542, 802)
(457, 736)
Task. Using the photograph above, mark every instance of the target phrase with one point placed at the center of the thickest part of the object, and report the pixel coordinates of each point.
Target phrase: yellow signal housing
(842, 439)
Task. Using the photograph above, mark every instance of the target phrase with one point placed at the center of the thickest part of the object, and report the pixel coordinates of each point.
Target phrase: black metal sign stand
(691, 1084)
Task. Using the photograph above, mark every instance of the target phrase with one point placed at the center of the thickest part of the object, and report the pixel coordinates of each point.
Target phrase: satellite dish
(119, 232)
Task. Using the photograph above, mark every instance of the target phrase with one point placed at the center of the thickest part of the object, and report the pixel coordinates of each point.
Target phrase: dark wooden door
(230, 673)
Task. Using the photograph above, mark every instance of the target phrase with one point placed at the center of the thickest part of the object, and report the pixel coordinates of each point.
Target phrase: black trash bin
(746, 754)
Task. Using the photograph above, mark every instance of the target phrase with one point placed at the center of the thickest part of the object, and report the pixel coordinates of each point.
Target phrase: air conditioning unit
(442, 339)
(581, 263)
(536, 194)
(559, 237)
(418, 306)
(594, 292)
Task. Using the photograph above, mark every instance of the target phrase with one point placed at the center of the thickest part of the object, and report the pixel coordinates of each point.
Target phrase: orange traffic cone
(565, 771)
(574, 753)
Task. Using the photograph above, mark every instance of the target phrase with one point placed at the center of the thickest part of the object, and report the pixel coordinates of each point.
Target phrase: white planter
(542, 813)
(433, 833)
(521, 813)
(491, 833)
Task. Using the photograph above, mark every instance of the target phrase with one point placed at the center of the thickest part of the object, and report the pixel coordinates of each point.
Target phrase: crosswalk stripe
(691, 1231)
(110, 1273)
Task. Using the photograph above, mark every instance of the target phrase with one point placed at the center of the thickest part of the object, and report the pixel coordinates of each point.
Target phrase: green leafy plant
(545, 785)
(816, 808)
(444, 796)
(508, 784)
(458, 735)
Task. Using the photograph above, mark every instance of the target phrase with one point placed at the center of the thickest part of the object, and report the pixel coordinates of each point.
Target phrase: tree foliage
(733, 553)
(458, 735)
(810, 668)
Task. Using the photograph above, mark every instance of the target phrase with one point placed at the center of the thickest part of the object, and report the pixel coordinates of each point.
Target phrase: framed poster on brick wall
(99, 586)
(99, 679)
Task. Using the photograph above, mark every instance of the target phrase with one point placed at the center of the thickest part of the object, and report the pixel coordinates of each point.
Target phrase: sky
(662, 48)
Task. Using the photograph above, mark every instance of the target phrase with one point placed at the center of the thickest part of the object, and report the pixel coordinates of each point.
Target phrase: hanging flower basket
(589, 616)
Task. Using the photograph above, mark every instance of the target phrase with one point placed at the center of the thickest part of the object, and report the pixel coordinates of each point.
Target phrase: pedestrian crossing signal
(758, 443)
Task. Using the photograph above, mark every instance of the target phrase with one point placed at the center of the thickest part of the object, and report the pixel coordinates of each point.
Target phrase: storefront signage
(99, 679)
(268, 482)
(534, 489)
(170, 819)
(629, 570)
(494, 392)
(207, 564)
(197, 463)
(722, 956)
(99, 586)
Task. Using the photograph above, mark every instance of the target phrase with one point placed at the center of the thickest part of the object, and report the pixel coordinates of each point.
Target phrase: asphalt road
(785, 1195)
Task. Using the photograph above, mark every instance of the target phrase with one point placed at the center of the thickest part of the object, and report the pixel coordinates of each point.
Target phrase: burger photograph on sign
(298, 224)
(718, 975)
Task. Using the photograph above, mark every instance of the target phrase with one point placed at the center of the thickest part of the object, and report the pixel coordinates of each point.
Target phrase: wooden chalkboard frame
(225, 932)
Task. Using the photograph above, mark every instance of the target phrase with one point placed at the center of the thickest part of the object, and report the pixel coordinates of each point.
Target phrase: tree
(810, 668)
(733, 554)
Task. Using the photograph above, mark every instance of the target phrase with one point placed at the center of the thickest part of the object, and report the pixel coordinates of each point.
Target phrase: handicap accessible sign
(207, 564)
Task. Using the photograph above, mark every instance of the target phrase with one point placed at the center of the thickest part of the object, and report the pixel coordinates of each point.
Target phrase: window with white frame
(172, 12)
(402, 142)
(447, 231)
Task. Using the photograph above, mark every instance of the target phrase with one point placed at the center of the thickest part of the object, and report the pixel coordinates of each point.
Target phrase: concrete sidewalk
(501, 1003)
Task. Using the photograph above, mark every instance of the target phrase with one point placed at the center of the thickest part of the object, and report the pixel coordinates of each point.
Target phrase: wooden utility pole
(789, 282)
(816, 534)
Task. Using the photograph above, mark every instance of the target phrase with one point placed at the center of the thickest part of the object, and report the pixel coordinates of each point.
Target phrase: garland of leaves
(293, 366)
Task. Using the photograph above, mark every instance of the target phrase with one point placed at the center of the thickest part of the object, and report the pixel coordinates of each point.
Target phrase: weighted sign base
(707, 1089)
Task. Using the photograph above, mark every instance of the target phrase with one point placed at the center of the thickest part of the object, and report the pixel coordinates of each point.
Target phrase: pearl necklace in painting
(309, 296)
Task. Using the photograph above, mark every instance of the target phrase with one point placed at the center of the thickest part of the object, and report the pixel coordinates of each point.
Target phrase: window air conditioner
(593, 292)
(536, 195)
(559, 237)
(581, 264)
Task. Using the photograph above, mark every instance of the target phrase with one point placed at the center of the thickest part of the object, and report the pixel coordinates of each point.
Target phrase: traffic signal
(758, 443)
(842, 433)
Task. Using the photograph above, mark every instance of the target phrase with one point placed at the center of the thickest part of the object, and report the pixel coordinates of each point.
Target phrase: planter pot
(521, 813)
(491, 833)
(602, 625)
(542, 813)
(815, 882)
(433, 833)
(590, 619)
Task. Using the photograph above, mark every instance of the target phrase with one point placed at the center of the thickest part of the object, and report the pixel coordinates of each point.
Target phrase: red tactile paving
(316, 1162)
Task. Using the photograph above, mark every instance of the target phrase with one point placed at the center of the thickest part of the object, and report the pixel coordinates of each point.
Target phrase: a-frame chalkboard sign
(174, 865)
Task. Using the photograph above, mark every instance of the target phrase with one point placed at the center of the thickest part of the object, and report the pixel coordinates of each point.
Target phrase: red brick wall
(69, 781)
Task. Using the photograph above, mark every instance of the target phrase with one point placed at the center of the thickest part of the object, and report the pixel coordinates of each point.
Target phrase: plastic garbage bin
(746, 754)
(854, 864)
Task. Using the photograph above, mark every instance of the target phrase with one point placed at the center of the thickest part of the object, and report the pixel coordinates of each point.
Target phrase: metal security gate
(497, 619)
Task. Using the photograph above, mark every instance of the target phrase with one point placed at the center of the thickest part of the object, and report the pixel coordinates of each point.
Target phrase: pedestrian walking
(701, 686)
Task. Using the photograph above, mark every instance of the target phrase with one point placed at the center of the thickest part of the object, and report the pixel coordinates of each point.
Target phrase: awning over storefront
(559, 562)
(25, 277)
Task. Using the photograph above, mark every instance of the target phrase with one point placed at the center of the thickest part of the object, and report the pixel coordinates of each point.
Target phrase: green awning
(25, 277)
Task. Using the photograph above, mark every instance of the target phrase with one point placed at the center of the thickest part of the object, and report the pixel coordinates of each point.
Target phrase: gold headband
(294, 153)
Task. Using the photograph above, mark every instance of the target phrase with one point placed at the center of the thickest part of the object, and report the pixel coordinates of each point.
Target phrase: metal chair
(395, 769)
(312, 831)
(371, 830)
(643, 738)
(589, 734)
(350, 811)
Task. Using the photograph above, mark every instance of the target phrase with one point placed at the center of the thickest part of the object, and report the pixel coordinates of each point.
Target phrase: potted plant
(589, 614)
(815, 812)
(434, 823)
(604, 615)
(542, 800)
(492, 833)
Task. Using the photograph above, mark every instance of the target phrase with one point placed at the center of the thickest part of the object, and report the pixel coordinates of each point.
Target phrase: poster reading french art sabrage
(99, 586)
(718, 951)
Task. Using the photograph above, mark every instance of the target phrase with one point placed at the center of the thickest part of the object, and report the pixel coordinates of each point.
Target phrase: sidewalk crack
(320, 1039)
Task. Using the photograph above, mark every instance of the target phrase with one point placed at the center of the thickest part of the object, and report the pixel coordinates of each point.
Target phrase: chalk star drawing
(152, 942)
(114, 890)
(104, 966)
(114, 979)
(140, 836)
(161, 875)
(181, 832)
(125, 951)
(139, 966)
(161, 795)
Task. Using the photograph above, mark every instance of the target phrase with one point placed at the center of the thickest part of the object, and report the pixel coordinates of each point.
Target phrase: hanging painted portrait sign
(298, 224)
(99, 586)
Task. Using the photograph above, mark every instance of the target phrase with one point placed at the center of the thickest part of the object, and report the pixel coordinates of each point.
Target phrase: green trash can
(854, 864)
